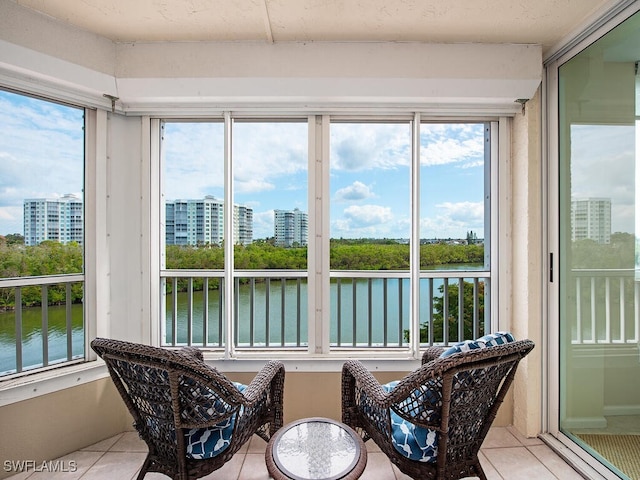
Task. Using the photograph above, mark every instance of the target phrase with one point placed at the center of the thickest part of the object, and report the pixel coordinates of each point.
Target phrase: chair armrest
(354, 371)
(194, 352)
(431, 354)
(270, 376)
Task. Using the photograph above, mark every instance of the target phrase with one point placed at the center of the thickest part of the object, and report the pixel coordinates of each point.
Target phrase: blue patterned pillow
(208, 442)
(490, 340)
(414, 442)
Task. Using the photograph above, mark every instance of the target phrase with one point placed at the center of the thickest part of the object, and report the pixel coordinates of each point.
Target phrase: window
(370, 185)
(41, 233)
(193, 193)
(271, 218)
(404, 212)
(454, 230)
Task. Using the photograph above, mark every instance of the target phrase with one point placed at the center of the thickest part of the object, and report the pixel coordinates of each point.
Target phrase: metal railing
(606, 309)
(368, 308)
(43, 335)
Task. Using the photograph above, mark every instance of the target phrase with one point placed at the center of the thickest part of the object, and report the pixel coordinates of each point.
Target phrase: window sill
(29, 386)
(253, 361)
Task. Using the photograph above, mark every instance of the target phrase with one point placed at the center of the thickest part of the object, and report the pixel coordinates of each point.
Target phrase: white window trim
(318, 248)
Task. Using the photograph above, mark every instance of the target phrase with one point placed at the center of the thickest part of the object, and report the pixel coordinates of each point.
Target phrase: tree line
(53, 258)
(47, 258)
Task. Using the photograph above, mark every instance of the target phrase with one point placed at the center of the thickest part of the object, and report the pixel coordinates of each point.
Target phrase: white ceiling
(543, 22)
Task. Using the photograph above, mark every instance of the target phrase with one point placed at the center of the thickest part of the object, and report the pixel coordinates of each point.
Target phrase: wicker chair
(453, 399)
(180, 406)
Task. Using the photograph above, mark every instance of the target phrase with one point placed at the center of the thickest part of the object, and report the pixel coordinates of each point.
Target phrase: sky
(41, 152)
(603, 166)
(369, 174)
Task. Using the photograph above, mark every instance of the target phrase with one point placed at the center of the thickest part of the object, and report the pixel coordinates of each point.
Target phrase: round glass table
(316, 449)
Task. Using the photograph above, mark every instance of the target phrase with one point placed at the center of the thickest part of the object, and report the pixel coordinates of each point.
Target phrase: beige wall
(50, 426)
(527, 265)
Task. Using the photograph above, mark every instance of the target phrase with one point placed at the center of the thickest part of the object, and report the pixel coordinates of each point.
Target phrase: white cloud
(41, 153)
(454, 220)
(357, 147)
(263, 224)
(367, 215)
(251, 185)
(461, 144)
(356, 191)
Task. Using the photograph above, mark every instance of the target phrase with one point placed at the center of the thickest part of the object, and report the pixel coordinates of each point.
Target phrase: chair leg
(144, 469)
(480, 471)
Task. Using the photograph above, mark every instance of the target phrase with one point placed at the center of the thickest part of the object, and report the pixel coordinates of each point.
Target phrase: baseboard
(576, 423)
(617, 410)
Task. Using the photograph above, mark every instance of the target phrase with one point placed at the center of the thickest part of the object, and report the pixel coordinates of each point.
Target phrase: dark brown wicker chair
(456, 397)
(173, 394)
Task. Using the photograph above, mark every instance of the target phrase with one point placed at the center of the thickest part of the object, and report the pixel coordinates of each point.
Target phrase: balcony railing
(606, 307)
(368, 308)
(47, 334)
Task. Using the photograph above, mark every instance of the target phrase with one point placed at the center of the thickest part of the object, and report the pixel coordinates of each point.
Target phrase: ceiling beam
(267, 22)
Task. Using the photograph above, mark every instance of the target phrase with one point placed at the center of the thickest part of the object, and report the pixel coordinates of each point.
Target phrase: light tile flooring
(505, 454)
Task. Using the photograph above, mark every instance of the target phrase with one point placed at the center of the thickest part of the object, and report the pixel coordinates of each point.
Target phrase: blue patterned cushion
(414, 442)
(208, 442)
(490, 340)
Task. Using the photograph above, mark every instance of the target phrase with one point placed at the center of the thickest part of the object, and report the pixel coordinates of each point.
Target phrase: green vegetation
(452, 314)
(47, 258)
(361, 254)
(51, 258)
(619, 253)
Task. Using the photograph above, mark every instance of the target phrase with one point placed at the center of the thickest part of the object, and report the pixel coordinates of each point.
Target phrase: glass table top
(314, 449)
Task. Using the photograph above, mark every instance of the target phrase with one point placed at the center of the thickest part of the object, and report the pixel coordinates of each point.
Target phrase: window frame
(90, 129)
(318, 271)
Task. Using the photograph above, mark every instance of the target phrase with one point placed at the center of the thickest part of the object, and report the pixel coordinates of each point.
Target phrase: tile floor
(505, 455)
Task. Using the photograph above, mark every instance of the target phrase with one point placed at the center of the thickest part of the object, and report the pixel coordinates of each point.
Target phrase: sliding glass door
(599, 251)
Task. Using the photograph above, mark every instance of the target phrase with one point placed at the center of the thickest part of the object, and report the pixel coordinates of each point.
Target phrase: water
(362, 315)
(32, 340)
(263, 321)
(371, 322)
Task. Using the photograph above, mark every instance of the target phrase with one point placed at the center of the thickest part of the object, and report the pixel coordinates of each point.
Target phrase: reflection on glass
(599, 294)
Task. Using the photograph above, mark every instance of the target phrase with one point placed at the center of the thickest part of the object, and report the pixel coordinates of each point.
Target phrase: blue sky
(41, 156)
(369, 174)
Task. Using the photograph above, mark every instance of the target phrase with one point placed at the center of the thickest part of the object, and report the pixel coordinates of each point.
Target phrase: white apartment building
(591, 219)
(291, 227)
(58, 219)
(201, 222)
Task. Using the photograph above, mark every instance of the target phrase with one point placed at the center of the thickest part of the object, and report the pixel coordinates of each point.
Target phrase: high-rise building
(591, 219)
(58, 219)
(291, 228)
(201, 222)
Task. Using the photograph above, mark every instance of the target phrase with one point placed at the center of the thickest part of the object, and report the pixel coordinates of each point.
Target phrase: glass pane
(270, 177)
(453, 215)
(370, 185)
(193, 193)
(41, 230)
(452, 196)
(598, 289)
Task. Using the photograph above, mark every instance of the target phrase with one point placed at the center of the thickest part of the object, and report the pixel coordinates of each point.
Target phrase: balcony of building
(501, 77)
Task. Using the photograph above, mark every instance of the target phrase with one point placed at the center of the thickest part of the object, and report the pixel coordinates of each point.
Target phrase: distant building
(57, 219)
(291, 228)
(201, 222)
(591, 219)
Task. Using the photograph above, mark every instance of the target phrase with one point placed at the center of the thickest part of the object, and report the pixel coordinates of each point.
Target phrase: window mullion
(414, 314)
(229, 290)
